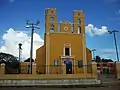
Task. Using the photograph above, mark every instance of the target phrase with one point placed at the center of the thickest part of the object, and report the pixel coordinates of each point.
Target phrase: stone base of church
(51, 82)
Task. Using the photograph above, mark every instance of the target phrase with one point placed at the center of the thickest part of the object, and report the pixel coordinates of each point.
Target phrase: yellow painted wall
(2, 69)
(54, 42)
(48, 16)
(57, 41)
(40, 60)
(89, 56)
(24, 67)
(63, 26)
(118, 70)
(89, 60)
(76, 17)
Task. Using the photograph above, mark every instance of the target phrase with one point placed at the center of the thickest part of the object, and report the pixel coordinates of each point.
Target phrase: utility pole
(33, 26)
(19, 56)
(114, 34)
(94, 53)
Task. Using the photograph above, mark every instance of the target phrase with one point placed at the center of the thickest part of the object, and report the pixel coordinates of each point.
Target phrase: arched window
(51, 19)
(79, 29)
(52, 28)
(79, 21)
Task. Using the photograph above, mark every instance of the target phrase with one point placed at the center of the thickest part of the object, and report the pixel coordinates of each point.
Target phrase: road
(37, 88)
(106, 87)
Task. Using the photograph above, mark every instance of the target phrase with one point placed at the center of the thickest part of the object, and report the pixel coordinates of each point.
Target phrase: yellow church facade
(64, 50)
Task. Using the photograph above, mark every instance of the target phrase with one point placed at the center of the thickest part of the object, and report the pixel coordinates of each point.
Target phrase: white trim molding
(70, 51)
(63, 51)
(62, 57)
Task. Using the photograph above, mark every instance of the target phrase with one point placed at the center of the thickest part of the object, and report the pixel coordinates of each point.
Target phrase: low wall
(118, 70)
(44, 76)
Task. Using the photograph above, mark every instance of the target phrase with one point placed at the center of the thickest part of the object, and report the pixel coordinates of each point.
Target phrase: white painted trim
(63, 33)
(67, 57)
(78, 30)
(67, 45)
(94, 63)
(65, 28)
(111, 62)
(70, 51)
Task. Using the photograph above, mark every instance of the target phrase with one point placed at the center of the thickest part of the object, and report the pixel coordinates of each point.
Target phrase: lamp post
(94, 53)
(114, 34)
(33, 26)
(19, 54)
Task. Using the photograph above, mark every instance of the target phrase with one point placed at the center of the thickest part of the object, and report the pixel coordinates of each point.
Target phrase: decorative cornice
(67, 57)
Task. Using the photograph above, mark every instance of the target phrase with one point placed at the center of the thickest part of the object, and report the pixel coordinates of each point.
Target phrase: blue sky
(13, 14)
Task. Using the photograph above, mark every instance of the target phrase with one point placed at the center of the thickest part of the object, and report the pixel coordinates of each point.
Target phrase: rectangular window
(80, 64)
(67, 51)
(55, 63)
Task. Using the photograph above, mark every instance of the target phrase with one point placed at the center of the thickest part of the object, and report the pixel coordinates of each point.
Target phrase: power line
(116, 48)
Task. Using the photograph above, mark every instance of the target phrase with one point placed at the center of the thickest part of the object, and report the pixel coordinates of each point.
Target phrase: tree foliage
(10, 61)
(99, 59)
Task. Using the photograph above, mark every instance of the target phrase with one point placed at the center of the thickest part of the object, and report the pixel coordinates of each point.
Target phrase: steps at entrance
(54, 82)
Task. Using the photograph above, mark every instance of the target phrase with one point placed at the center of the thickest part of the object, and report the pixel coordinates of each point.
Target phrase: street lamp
(33, 26)
(114, 33)
(19, 54)
(94, 53)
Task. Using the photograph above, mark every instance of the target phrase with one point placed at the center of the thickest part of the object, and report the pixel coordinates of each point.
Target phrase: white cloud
(108, 51)
(106, 56)
(12, 38)
(91, 30)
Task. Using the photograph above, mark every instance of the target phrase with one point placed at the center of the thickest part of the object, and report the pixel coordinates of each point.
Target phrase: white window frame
(67, 45)
(79, 29)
